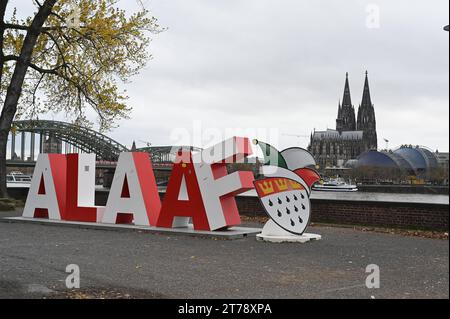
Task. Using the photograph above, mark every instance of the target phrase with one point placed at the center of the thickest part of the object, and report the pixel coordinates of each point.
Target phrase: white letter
(46, 199)
(86, 180)
(73, 19)
(73, 280)
(126, 174)
(373, 280)
(373, 18)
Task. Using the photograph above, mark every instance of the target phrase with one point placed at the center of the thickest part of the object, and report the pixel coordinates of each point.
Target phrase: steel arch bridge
(166, 154)
(85, 139)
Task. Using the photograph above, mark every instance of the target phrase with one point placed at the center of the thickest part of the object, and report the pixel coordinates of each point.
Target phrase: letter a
(46, 197)
(183, 198)
(134, 194)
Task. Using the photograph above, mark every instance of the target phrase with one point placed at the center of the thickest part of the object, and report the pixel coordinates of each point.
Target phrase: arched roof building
(412, 160)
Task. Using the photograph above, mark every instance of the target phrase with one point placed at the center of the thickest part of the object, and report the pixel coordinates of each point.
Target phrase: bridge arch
(85, 139)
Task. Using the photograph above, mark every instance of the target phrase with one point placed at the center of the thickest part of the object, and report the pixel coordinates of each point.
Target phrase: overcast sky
(281, 64)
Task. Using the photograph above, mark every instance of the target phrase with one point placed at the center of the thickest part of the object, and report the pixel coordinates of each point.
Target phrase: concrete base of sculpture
(231, 233)
(289, 239)
(275, 234)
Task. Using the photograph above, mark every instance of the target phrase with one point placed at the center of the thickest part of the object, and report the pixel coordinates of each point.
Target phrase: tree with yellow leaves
(69, 57)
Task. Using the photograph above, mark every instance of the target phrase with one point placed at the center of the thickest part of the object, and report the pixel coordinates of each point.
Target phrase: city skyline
(225, 65)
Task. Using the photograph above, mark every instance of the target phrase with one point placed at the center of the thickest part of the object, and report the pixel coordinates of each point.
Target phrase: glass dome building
(376, 159)
(411, 160)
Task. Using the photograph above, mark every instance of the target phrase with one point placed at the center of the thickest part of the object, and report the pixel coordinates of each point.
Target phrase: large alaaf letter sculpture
(63, 188)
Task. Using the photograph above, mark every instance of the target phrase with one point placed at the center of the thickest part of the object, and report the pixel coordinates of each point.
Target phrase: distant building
(443, 160)
(52, 145)
(407, 161)
(353, 135)
(415, 160)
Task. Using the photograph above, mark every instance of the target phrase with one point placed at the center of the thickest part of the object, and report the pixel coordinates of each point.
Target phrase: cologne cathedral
(353, 135)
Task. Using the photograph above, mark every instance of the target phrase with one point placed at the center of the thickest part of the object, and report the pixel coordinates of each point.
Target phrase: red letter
(183, 198)
(81, 188)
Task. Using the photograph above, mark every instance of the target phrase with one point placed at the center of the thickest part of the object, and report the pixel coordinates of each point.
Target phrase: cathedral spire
(339, 109)
(366, 118)
(366, 100)
(346, 120)
(347, 100)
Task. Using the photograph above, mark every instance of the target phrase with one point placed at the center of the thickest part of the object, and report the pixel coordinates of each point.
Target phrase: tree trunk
(3, 188)
(15, 87)
(3, 140)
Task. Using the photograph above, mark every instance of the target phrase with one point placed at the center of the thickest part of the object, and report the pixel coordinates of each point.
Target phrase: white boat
(336, 185)
(18, 180)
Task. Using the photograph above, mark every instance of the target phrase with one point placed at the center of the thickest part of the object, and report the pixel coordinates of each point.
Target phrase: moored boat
(336, 185)
(18, 180)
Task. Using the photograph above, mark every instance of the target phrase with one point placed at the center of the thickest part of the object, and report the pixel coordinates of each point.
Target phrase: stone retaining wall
(406, 215)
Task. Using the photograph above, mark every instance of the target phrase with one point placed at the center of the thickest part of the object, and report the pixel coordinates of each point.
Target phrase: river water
(375, 197)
